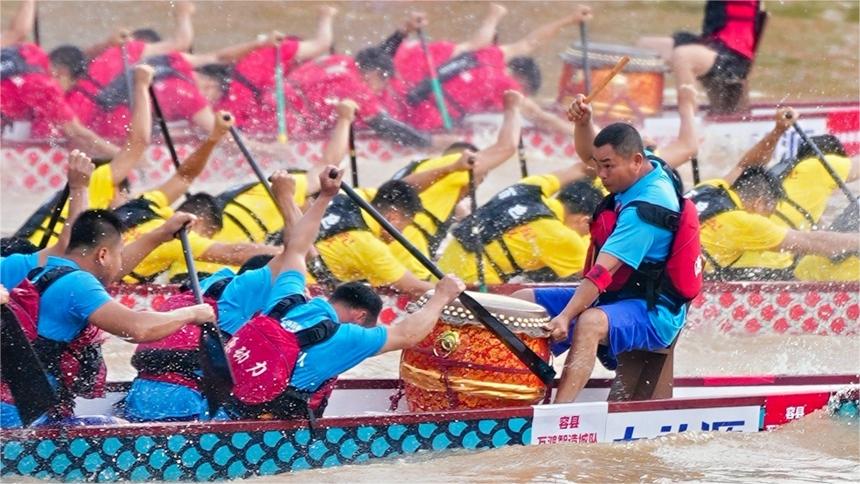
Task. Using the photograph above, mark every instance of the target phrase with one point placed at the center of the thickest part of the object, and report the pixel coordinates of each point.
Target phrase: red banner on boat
(781, 409)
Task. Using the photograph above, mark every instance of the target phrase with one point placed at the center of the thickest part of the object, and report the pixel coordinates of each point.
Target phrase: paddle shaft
(521, 153)
(586, 65)
(603, 82)
(37, 31)
(826, 164)
(279, 96)
(353, 159)
(434, 82)
(55, 217)
(525, 354)
(126, 68)
(476, 237)
(217, 377)
(694, 164)
(163, 125)
(22, 370)
(251, 161)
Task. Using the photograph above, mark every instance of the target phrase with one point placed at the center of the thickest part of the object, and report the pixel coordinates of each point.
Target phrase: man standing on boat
(634, 293)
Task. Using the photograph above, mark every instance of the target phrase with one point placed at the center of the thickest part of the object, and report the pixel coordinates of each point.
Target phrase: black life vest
(229, 198)
(115, 93)
(712, 200)
(39, 219)
(434, 240)
(12, 63)
(342, 215)
(512, 207)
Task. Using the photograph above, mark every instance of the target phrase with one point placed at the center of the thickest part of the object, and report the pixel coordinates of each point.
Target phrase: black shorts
(729, 65)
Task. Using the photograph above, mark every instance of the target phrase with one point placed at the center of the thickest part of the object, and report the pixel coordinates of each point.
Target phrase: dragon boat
(366, 420)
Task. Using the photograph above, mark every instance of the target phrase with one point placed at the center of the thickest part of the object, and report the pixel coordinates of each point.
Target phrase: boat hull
(230, 450)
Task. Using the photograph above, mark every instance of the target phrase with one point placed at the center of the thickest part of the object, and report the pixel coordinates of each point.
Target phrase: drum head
(518, 315)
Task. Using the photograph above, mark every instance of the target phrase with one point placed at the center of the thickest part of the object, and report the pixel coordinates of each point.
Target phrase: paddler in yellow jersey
(353, 247)
(739, 238)
(443, 181)
(150, 210)
(109, 177)
(250, 215)
(525, 231)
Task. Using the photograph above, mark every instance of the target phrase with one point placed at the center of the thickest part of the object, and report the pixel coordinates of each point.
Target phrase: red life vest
(77, 366)
(737, 24)
(679, 276)
(263, 355)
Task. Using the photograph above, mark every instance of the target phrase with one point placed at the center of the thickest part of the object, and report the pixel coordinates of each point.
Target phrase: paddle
(163, 125)
(830, 171)
(279, 95)
(586, 66)
(603, 82)
(353, 159)
(694, 163)
(251, 161)
(434, 82)
(476, 237)
(521, 153)
(37, 31)
(55, 217)
(21, 369)
(217, 381)
(532, 361)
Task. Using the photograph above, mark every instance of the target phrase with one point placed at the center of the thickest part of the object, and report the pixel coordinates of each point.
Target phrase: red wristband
(600, 276)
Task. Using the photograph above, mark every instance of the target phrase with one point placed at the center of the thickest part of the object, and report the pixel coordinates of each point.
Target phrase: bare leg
(591, 328)
(543, 34)
(661, 45)
(485, 33)
(681, 149)
(691, 61)
(321, 42)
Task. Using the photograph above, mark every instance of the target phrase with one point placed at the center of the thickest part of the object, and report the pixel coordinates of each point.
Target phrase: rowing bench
(644, 375)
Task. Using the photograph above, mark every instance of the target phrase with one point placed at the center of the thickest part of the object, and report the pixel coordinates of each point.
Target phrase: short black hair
(623, 138)
(357, 295)
(149, 36)
(580, 197)
(93, 228)
(375, 59)
(397, 195)
(71, 58)
(255, 262)
(220, 72)
(16, 245)
(459, 147)
(204, 206)
(827, 143)
(527, 69)
(757, 182)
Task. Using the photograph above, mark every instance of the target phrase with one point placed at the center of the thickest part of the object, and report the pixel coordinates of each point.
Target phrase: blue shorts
(150, 400)
(630, 326)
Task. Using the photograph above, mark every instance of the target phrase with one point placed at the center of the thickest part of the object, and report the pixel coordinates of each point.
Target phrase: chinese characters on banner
(582, 423)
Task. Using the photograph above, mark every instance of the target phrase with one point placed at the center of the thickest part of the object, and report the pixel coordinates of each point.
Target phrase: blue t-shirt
(635, 241)
(14, 269)
(243, 297)
(351, 345)
(66, 306)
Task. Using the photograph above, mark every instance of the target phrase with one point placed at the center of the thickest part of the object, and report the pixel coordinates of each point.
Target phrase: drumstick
(525, 354)
(603, 82)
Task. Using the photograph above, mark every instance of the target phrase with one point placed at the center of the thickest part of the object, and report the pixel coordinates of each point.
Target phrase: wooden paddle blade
(533, 362)
(21, 369)
(217, 382)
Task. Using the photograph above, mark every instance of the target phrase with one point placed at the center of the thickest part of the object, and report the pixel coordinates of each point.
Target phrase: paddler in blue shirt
(351, 312)
(629, 318)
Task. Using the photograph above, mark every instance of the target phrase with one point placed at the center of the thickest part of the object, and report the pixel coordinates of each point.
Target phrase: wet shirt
(634, 241)
(810, 186)
(349, 346)
(14, 268)
(244, 296)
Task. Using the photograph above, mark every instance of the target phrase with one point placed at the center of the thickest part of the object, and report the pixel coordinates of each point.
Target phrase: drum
(461, 365)
(636, 92)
